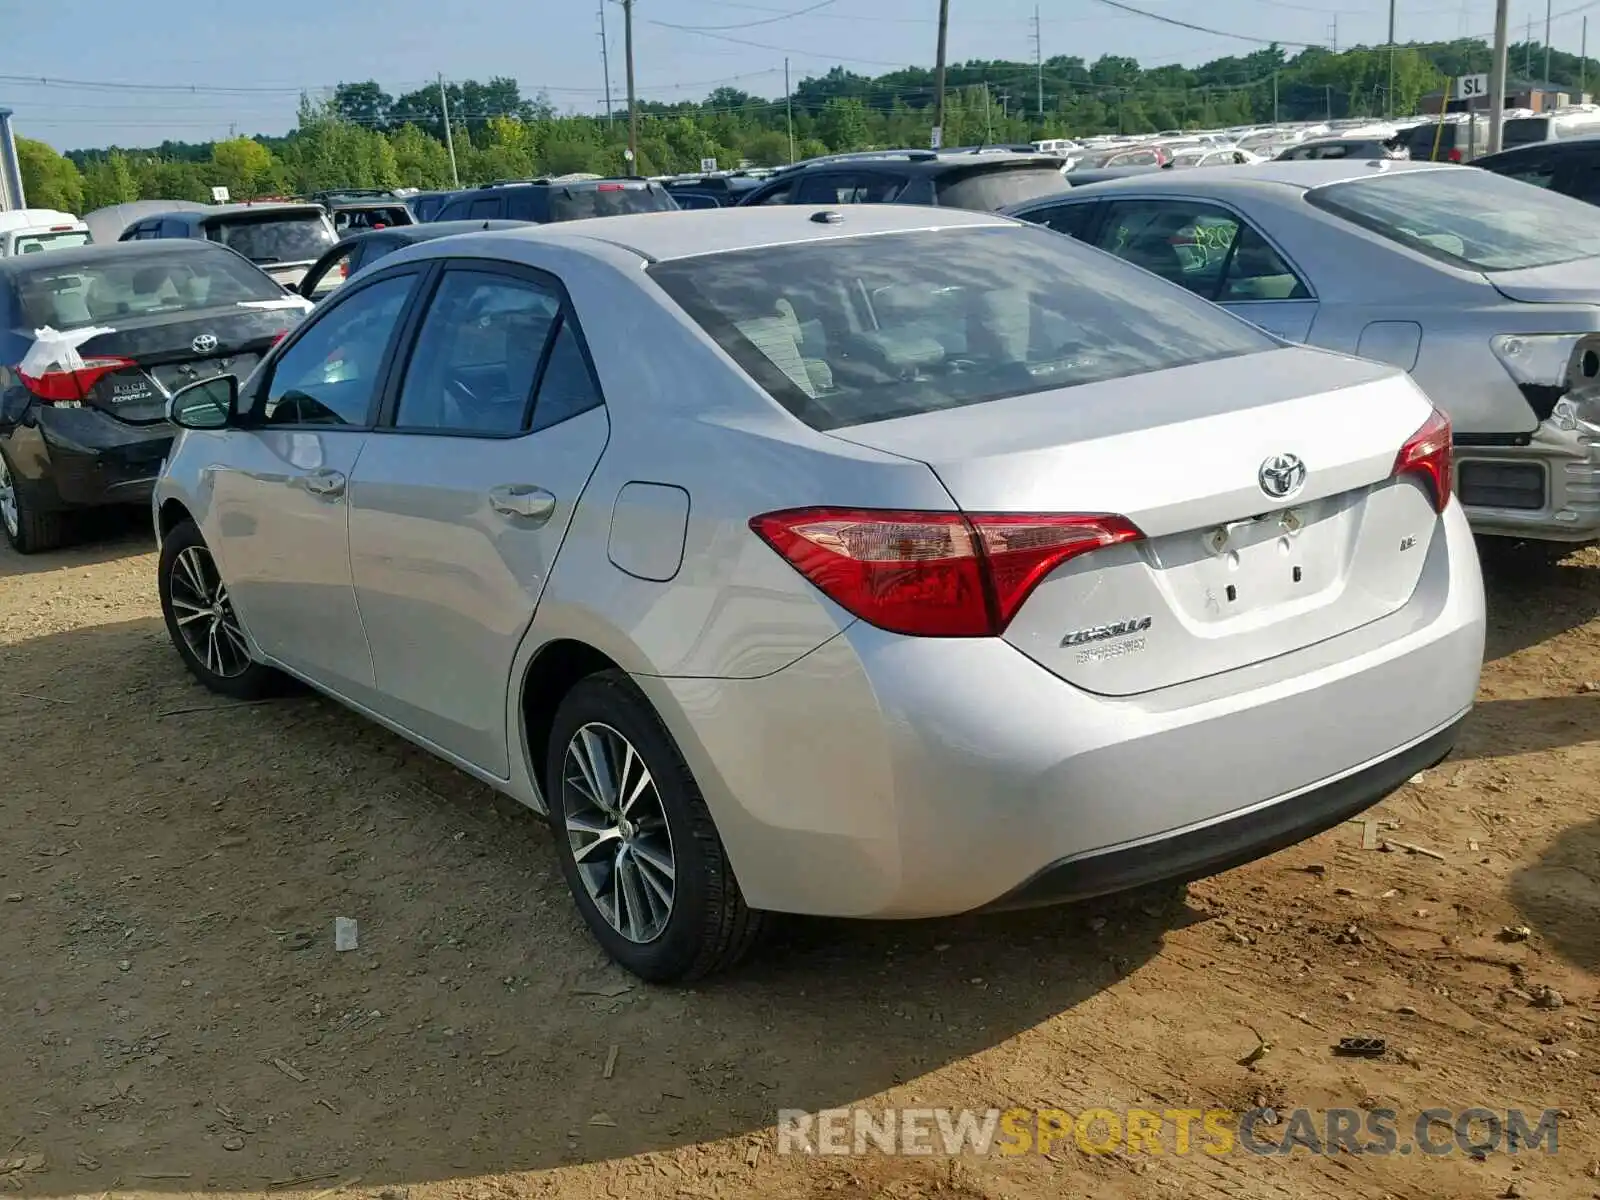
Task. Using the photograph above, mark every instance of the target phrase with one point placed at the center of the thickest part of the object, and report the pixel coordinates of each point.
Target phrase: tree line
(363, 137)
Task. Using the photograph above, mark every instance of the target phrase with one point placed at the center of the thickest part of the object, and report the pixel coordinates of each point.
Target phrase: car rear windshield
(992, 190)
(846, 331)
(371, 218)
(1468, 218)
(274, 237)
(99, 293)
(1524, 131)
(575, 202)
(33, 243)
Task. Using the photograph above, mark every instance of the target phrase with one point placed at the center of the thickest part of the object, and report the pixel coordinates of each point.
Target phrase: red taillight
(279, 336)
(933, 574)
(61, 229)
(344, 269)
(379, 225)
(1454, 156)
(608, 187)
(56, 387)
(1427, 453)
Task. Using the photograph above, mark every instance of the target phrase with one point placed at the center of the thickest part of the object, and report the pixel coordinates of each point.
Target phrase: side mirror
(207, 404)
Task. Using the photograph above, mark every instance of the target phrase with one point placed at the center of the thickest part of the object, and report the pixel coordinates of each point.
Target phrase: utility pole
(1546, 78)
(449, 138)
(788, 104)
(1583, 63)
(1527, 52)
(938, 70)
(605, 59)
(1274, 98)
(1336, 33)
(1328, 89)
(1038, 59)
(1388, 96)
(1497, 74)
(633, 113)
(988, 125)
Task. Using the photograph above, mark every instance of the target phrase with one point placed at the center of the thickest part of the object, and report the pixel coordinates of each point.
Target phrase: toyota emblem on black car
(204, 344)
(1282, 475)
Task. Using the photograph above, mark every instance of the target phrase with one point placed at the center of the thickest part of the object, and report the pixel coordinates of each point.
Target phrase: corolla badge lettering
(1101, 633)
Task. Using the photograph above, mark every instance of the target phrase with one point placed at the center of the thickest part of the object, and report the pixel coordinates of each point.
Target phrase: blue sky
(246, 68)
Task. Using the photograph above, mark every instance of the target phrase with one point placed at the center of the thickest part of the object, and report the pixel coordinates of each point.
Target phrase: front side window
(1201, 247)
(331, 374)
(849, 188)
(1471, 219)
(846, 331)
(477, 355)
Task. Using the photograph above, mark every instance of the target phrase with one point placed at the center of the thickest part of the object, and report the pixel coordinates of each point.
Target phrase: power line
(783, 16)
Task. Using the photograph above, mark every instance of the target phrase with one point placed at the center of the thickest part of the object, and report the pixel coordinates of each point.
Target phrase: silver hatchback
(866, 562)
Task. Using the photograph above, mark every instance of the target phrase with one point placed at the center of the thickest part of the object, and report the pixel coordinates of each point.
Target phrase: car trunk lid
(1226, 575)
(149, 358)
(1576, 282)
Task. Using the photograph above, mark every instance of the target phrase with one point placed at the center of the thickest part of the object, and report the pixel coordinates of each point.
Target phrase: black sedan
(93, 342)
(361, 248)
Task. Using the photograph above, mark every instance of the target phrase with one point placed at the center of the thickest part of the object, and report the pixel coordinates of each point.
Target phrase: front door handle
(325, 483)
(533, 505)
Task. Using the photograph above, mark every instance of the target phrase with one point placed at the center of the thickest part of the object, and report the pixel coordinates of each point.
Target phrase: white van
(32, 230)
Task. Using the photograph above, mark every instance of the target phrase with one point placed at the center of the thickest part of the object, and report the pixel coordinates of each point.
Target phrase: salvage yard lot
(174, 1017)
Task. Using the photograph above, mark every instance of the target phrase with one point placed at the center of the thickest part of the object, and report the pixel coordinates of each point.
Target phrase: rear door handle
(532, 504)
(325, 483)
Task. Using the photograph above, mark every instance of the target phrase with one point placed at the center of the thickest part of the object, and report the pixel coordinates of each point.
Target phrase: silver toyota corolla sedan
(870, 562)
(1486, 289)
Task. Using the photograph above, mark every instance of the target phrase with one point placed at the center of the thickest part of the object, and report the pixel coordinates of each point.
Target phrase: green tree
(245, 167)
(48, 179)
(108, 180)
(843, 124)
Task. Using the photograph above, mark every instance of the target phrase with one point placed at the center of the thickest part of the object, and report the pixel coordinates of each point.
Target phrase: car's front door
(279, 521)
(1215, 253)
(463, 495)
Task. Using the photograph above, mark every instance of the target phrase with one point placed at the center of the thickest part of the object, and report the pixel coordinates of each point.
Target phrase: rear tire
(637, 844)
(201, 622)
(28, 530)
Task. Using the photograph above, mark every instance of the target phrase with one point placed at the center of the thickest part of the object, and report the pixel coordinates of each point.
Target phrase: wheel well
(173, 514)
(552, 674)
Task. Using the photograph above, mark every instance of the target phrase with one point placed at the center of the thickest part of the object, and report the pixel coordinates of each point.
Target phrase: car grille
(1501, 485)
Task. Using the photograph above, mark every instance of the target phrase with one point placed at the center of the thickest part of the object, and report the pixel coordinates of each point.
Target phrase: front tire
(27, 530)
(637, 844)
(201, 621)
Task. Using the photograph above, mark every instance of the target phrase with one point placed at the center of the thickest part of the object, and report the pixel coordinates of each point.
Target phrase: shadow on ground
(1559, 895)
(1531, 600)
(174, 1015)
(98, 536)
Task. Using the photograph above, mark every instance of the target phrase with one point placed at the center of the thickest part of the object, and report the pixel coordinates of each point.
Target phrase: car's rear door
(462, 496)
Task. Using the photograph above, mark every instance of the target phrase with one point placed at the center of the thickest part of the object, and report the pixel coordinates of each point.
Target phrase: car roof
(228, 210)
(424, 231)
(685, 234)
(1304, 174)
(924, 162)
(1589, 140)
(97, 252)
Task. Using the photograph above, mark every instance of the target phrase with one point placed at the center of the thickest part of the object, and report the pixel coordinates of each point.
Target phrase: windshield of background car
(33, 243)
(274, 238)
(82, 294)
(1468, 218)
(851, 330)
(574, 203)
(990, 191)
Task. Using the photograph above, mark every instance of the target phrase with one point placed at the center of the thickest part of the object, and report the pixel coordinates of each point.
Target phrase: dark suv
(546, 200)
(282, 239)
(984, 180)
(1571, 167)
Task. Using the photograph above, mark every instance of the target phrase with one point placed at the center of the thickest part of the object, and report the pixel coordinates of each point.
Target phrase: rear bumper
(1570, 462)
(883, 776)
(81, 458)
(1197, 851)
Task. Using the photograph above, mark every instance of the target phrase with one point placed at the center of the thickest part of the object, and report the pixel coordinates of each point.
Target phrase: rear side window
(847, 331)
(488, 206)
(1537, 167)
(990, 191)
(143, 284)
(274, 237)
(1524, 131)
(1472, 219)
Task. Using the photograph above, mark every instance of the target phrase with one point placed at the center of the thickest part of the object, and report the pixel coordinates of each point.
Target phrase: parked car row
(1034, 518)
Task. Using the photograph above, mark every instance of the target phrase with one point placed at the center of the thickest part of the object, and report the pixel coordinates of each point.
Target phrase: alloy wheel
(204, 614)
(8, 499)
(618, 832)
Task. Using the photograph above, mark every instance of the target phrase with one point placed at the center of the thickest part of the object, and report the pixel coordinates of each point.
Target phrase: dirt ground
(174, 1017)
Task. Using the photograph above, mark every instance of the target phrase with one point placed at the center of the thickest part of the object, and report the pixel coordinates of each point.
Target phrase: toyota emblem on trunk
(207, 342)
(1282, 475)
